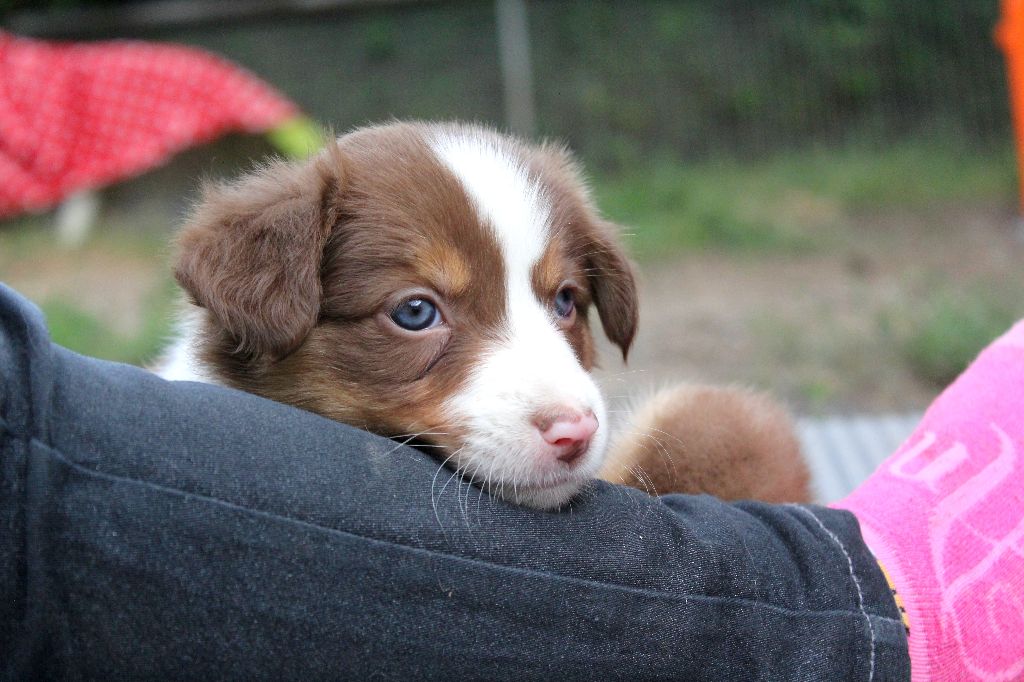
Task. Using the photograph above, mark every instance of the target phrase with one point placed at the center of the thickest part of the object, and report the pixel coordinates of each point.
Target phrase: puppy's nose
(568, 431)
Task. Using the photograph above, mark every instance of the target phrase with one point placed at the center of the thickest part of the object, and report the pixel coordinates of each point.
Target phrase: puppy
(435, 283)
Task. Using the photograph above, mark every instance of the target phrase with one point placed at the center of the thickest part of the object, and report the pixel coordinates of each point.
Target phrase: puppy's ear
(251, 252)
(609, 271)
(613, 287)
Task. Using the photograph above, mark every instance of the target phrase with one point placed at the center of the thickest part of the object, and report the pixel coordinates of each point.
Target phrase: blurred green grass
(30, 257)
(793, 202)
(85, 333)
(945, 336)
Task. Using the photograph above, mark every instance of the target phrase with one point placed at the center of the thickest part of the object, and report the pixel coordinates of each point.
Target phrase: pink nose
(568, 431)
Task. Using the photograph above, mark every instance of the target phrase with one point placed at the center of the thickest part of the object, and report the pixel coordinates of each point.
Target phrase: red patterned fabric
(81, 115)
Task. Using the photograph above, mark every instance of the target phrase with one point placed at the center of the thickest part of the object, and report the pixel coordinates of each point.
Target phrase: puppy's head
(421, 281)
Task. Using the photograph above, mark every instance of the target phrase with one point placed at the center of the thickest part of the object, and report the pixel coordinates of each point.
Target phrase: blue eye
(416, 314)
(565, 302)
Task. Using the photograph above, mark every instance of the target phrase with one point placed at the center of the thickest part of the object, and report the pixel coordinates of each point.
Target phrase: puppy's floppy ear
(609, 271)
(613, 286)
(251, 252)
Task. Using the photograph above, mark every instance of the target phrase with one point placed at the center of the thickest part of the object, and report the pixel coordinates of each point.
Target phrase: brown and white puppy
(423, 281)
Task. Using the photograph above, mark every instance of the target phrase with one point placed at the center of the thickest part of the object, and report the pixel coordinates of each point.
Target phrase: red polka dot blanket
(82, 115)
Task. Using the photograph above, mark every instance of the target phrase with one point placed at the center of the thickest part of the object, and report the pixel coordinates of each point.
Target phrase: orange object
(1009, 35)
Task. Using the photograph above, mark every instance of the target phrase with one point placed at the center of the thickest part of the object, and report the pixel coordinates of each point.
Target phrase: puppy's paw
(728, 442)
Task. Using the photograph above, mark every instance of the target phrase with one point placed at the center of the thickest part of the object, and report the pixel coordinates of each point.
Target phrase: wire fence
(620, 81)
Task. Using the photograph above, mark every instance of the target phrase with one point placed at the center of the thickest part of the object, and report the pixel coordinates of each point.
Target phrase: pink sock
(945, 518)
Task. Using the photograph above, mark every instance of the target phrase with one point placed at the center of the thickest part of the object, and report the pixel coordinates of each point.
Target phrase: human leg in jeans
(159, 530)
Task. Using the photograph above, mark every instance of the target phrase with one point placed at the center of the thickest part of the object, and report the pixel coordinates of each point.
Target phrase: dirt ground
(113, 286)
(822, 328)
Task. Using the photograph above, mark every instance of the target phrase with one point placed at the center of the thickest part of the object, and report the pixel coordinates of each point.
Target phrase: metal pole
(517, 76)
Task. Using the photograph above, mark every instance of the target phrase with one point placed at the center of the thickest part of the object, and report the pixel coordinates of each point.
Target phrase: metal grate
(843, 450)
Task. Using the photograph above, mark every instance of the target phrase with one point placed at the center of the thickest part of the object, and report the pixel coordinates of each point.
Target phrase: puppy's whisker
(417, 434)
(433, 481)
(659, 447)
(400, 445)
(455, 474)
(679, 442)
(486, 483)
(648, 482)
(464, 499)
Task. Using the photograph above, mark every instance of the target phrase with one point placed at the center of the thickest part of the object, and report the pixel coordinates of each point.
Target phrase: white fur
(504, 196)
(531, 367)
(180, 362)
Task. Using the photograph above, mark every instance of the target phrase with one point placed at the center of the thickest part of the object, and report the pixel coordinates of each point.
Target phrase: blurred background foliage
(857, 138)
(622, 80)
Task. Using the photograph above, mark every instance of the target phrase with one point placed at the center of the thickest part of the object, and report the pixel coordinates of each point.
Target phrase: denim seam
(432, 552)
(856, 583)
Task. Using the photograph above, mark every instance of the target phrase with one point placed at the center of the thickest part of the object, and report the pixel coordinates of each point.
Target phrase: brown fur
(251, 255)
(298, 267)
(732, 443)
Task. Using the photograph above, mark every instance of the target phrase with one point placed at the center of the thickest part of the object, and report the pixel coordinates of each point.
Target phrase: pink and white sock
(945, 518)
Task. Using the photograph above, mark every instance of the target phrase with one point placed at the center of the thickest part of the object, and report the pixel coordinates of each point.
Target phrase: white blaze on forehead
(504, 195)
(531, 367)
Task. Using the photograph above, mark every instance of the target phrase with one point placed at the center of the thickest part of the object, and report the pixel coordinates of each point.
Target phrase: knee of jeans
(26, 365)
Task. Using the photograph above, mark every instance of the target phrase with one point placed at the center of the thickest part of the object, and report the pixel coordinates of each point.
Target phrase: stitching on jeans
(433, 552)
(856, 583)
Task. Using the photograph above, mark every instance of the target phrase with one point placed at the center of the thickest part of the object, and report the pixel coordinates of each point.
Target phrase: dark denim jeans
(153, 530)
